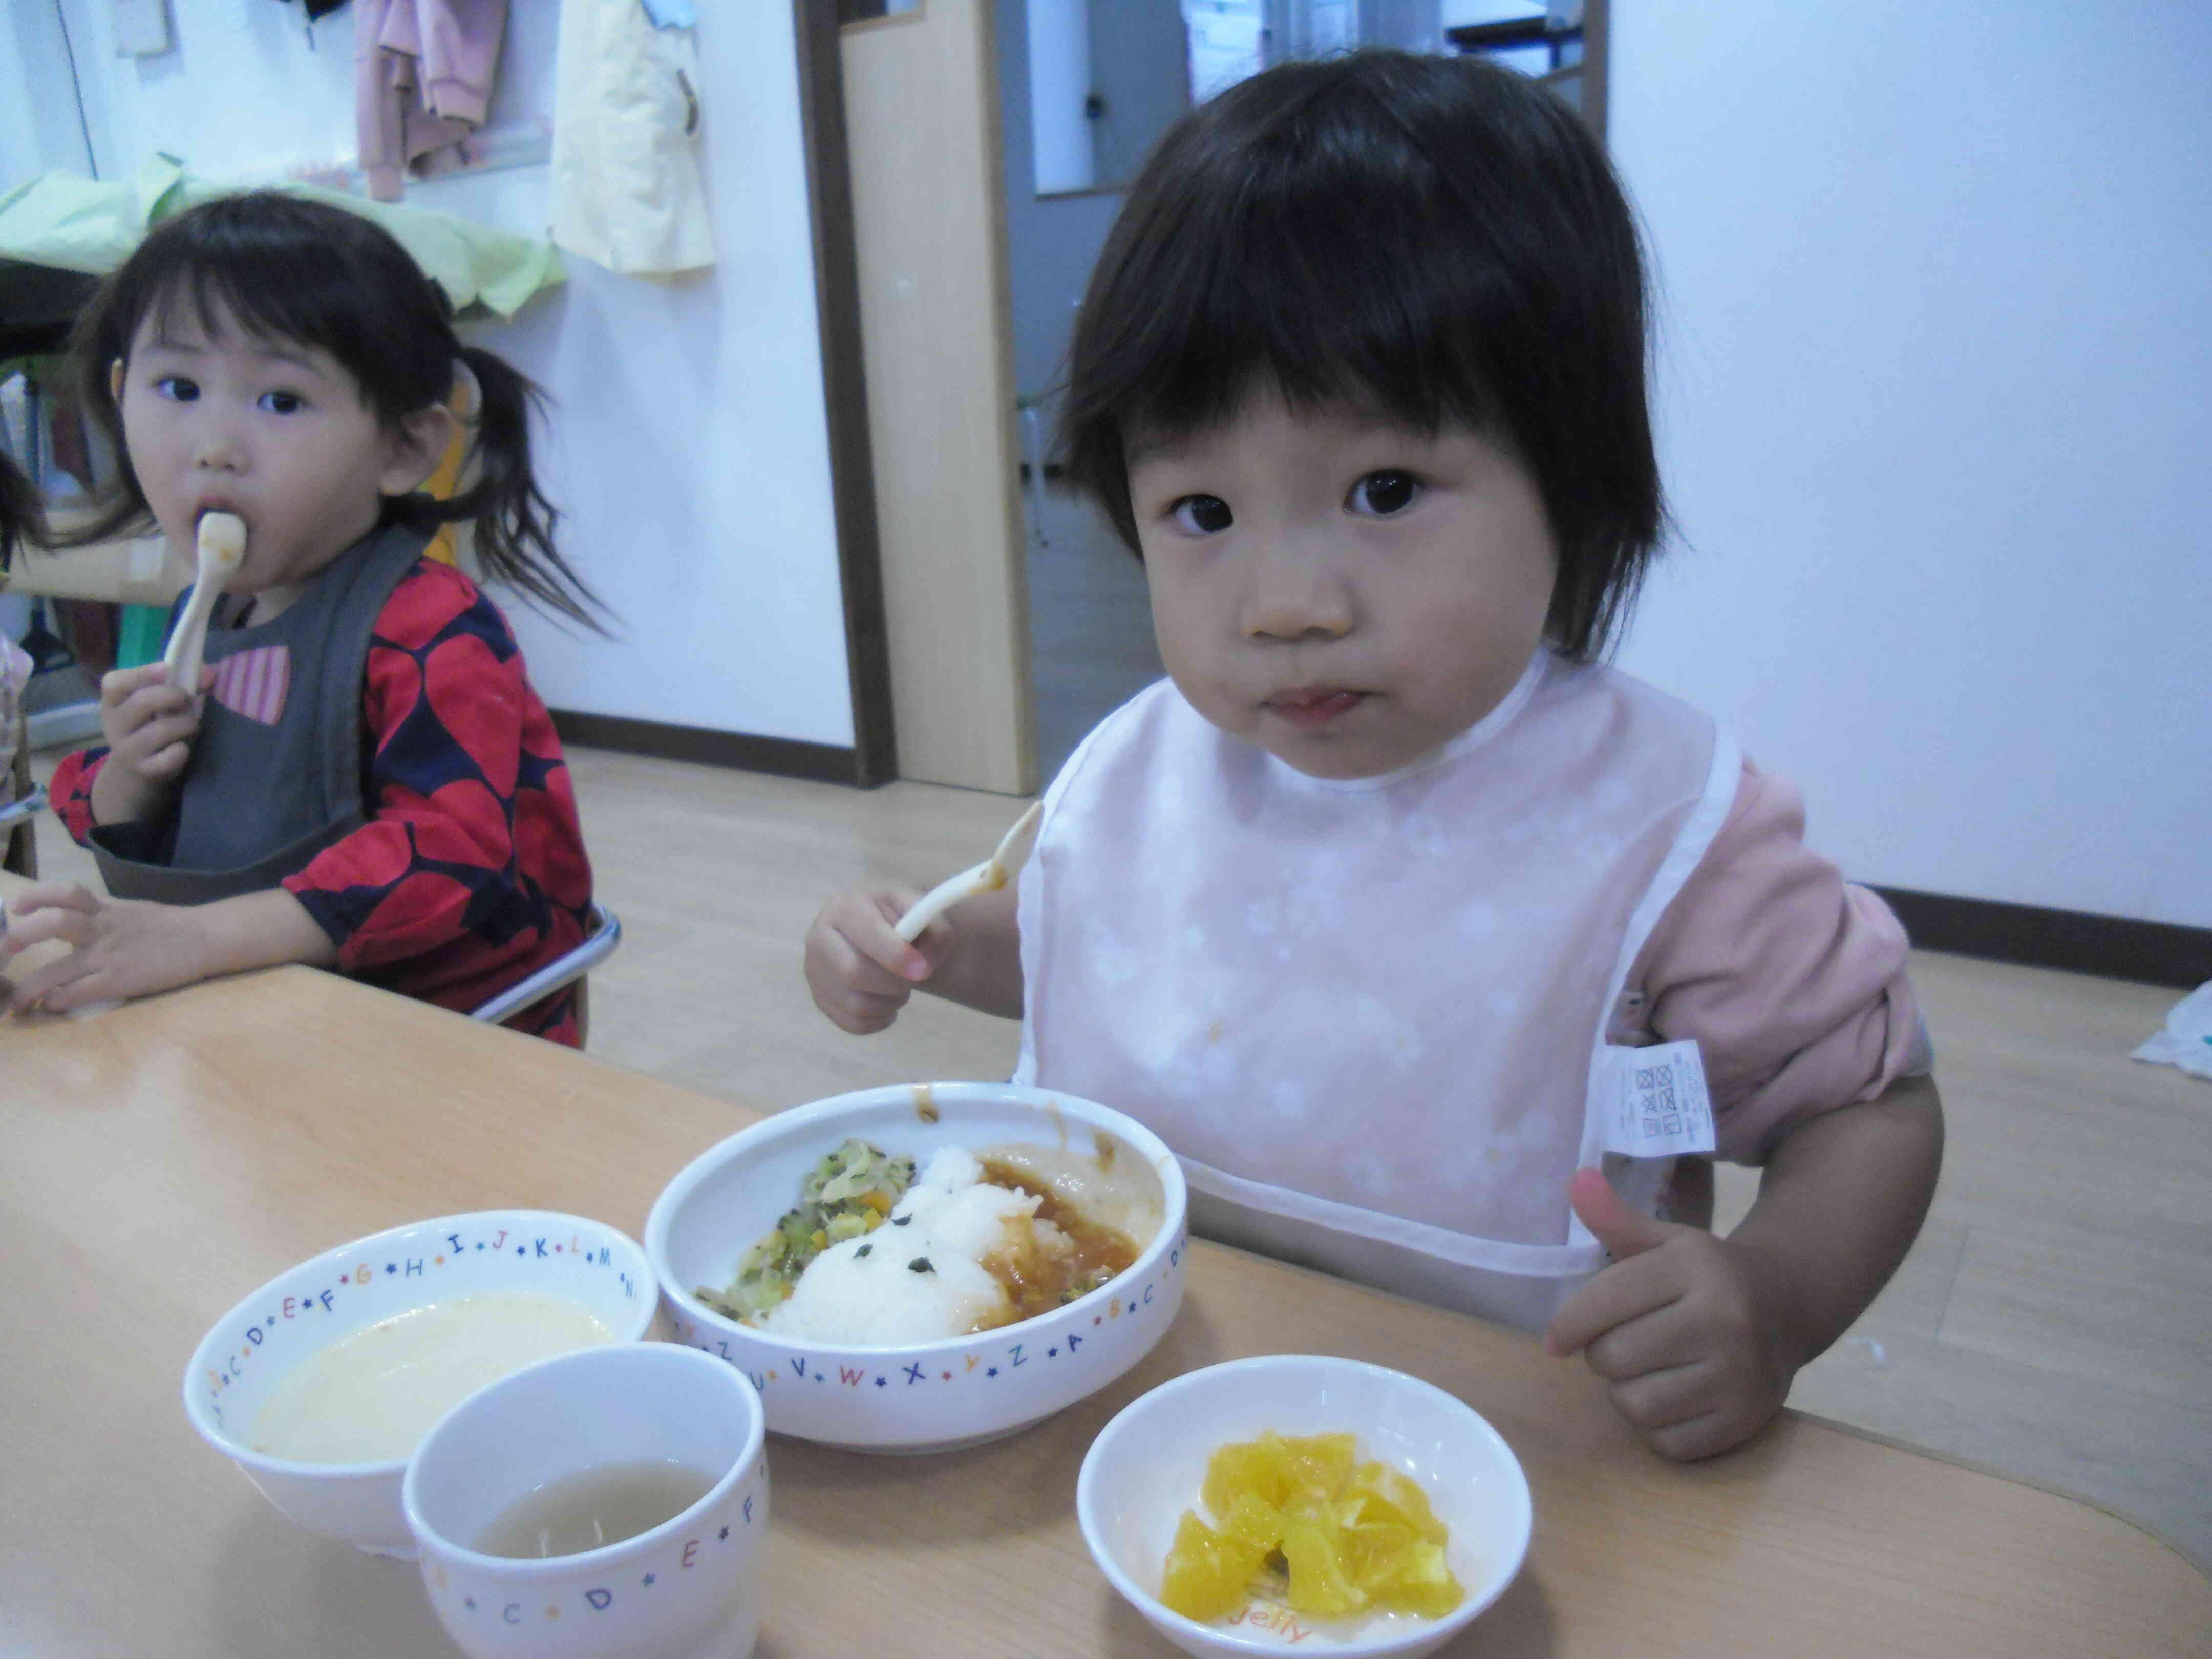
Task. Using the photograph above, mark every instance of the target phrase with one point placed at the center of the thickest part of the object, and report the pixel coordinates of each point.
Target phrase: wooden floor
(2053, 1322)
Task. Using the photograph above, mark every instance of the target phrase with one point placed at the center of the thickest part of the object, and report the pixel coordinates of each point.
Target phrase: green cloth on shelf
(144, 631)
(90, 225)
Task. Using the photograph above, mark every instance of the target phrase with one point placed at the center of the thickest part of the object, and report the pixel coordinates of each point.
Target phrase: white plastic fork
(221, 546)
(988, 877)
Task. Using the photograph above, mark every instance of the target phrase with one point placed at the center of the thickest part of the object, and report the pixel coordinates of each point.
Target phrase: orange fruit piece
(1253, 1521)
(1352, 1535)
(1318, 1581)
(1207, 1573)
(1282, 1472)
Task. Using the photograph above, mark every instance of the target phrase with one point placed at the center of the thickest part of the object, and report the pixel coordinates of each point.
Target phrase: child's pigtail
(512, 519)
(100, 338)
(22, 520)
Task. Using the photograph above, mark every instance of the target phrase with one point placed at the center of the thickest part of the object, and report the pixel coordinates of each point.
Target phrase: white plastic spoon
(988, 877)
(222, 545)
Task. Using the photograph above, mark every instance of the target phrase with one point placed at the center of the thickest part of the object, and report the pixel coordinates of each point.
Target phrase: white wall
(1453, 12)
(688, 440)
(1935, 319)
(39, 125)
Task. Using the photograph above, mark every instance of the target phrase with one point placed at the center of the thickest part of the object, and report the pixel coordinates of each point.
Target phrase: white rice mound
(918, 1278)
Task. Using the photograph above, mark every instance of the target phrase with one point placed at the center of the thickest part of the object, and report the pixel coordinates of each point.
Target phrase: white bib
(1372, 1017)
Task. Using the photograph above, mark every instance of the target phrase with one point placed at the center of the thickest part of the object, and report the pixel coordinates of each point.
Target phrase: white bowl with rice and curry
(925, 1266)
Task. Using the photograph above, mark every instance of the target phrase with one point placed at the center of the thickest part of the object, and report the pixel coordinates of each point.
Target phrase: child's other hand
(149, 726)
(1677, 1328)
(860, 971)
(121, 947)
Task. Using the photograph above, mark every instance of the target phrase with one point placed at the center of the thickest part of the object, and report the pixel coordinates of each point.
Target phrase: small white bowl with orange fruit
(1297, 1502)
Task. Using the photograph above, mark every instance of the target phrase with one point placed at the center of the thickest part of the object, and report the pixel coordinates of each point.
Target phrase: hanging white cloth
(627, 192)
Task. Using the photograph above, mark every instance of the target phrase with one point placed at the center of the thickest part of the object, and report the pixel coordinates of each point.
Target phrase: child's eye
(177, 388)
(1202, 515)
(282, 403)
(1380, 495)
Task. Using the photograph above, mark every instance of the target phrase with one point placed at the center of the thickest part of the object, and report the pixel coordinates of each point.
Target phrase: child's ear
(412, 452)
(115, 381)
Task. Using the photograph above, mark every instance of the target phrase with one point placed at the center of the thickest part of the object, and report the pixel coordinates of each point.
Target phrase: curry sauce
(1037, 1280)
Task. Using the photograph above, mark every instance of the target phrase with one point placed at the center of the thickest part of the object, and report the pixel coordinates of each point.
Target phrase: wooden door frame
(919, 96)
(844, 385)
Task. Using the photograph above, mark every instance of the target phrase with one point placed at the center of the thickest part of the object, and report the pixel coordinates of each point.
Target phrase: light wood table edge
(1976, 1466)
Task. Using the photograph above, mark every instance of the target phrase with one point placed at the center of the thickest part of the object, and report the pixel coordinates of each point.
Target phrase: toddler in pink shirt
(1444, 955)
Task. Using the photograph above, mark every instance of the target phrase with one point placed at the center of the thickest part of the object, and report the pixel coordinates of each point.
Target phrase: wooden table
(159, 1160)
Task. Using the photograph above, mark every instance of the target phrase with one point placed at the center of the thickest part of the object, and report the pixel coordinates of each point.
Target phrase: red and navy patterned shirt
(470, 874)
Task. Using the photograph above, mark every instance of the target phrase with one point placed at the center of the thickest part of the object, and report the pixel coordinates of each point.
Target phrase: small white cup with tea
(610, 1502)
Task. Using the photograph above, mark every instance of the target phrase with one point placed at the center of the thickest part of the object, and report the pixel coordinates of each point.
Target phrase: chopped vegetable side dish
(849, 1192)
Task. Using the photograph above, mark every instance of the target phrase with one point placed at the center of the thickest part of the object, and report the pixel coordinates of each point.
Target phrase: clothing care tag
(1655, 1102)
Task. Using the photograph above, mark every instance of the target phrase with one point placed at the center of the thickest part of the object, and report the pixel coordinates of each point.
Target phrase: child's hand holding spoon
(870, 946)
(151, 715)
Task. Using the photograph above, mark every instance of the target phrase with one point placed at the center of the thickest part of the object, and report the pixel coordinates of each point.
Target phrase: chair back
(598, 944)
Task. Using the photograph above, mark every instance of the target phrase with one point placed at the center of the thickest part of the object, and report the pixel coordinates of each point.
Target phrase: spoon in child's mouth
(222, 548)
(988, 877)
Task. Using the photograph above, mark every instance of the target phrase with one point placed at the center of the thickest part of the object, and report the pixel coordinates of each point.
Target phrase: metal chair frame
(16, 814)
(598, 944)
(15, 820)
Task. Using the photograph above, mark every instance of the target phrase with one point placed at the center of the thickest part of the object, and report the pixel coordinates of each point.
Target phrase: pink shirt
(1791, 980)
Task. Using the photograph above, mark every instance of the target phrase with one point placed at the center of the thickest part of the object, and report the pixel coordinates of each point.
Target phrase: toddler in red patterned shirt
(363, 779)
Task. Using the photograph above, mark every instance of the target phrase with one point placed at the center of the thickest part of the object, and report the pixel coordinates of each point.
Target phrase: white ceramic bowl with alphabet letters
(256, 1344)
(928, 1396)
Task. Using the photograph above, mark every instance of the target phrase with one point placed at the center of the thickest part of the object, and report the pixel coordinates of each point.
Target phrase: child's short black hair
(1434, 237)
(286, 267)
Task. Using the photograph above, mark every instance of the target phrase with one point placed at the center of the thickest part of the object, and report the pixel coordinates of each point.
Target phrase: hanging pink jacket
(422, 82)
